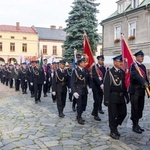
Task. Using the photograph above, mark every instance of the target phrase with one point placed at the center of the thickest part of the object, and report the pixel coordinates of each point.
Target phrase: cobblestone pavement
(28, 126)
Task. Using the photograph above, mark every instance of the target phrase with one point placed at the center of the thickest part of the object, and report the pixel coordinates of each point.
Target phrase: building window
(132, 29)
(44, 49)
(24, 38)
(54, 50)
(12, 47)
(63, 50)
(24, 47)
(135, 3)
(0, 36)
(117, 32)
(1, 46)
(12, 37)
(120, 7)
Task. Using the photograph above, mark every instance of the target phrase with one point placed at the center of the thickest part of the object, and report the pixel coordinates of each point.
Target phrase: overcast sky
(43, 13)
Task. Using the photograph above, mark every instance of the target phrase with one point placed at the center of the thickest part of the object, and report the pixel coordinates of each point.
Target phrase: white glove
(49, 79)
(54, 93)
(25, 80)
(19, 79)
(100, 78)
(69, 90)
(44, 82)
(31, 83)
(52, 74)
(102, 86)
(76, 95)
(90, 91)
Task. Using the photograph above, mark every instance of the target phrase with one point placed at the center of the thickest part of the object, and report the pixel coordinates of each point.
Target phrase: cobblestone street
(25, 125)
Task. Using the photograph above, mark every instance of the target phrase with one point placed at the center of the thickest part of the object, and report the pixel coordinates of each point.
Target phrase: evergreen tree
(82, 18)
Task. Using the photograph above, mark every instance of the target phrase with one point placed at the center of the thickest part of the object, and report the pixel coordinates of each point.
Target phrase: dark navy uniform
(37, 80)
(69, 72)
(10, 75)
(23, 78)
(29, 75)
(59, 86)
(16, 77)
(137, 92)
(98, 73)
(45, 86)
(79, 81)
(115, 93)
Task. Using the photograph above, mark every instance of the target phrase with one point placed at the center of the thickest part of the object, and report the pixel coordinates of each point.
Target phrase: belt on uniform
(116, 93)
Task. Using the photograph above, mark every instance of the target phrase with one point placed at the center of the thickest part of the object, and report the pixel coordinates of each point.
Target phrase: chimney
(60, 27)
(17, 26)
(53, 27)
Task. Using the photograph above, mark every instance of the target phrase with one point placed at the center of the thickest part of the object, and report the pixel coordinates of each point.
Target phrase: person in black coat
(98, 73)
(45, 85)
(16, 76)
(69, 72)
(79, 81)
(29, 75)
(23, 77)
(115, 96)
(38, 78)
(10, 75)
(59, 87)
(6, 74)
(137, 91)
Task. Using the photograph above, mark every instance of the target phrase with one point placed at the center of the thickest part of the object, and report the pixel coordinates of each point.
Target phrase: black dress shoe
(74, 109)
(141, 128)
(39, 100)
(54, 101)
(97, 118)
(137, 130)
(80, 121)
(93, 114)
(61, 115)
(45, 95)
(36, 102)
(101, 111)
(114, 136)
(117, 132)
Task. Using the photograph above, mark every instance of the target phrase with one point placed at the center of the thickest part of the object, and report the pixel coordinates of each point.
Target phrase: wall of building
(31, 41)
(50, 45)
(142, 39)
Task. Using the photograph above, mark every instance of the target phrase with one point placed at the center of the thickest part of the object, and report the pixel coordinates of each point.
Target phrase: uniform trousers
(24, 85)
(37, 91)
(17, 84)
(81, 104)
(137, 106)
(116, 113)
(98, 97)
(61, 101)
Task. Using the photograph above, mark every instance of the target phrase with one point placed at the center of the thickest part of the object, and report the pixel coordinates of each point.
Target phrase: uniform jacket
(23, 73)
(96, 73)
(112, 92)
(137, 81)
(38, 76)
(59, 81)
(80, 80)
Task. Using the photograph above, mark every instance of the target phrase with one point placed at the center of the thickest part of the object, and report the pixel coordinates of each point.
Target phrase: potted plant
(132, 37)
(116, 40)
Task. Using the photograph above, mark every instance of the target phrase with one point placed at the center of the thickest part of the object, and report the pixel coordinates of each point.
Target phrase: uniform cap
(45, 59)
(37, 61)
(118, 58)
(139, 53)
(62, 62)
(100, 57)
(80, 60)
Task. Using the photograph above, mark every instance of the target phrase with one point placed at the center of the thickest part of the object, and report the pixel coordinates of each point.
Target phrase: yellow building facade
(17, 43)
